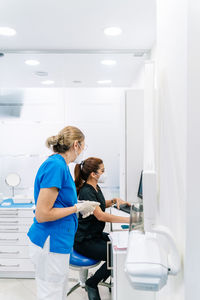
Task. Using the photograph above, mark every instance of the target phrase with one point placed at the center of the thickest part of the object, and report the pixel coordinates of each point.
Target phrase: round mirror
(13, 179)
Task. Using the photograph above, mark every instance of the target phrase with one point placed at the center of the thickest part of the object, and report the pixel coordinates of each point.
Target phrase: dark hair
(83, 170)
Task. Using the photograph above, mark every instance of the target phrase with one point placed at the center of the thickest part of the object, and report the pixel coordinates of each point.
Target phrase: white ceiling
(50, 25)
(65, 68)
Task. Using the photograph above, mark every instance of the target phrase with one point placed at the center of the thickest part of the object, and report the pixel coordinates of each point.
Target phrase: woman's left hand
(119, 201)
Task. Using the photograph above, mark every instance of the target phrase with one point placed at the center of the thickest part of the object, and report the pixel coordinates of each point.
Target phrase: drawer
(13, 228)
(16, 213)
(13, 265)
(14, 252)
(16, 221)
(14, 239)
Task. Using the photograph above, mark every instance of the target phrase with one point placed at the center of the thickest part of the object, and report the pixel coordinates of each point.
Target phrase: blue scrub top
(54, 172)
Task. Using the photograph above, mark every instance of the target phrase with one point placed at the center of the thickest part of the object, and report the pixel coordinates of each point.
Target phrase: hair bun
(60, 139)
(51, 141)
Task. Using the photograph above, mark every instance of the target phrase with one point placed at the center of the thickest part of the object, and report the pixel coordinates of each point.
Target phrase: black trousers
(96, 249)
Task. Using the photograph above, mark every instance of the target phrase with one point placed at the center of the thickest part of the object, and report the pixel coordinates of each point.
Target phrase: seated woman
(90, 240)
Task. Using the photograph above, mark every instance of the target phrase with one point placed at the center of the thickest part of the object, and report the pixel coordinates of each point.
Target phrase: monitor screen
(140, 195)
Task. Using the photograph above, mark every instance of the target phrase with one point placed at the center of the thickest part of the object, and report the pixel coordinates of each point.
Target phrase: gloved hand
(86, 208)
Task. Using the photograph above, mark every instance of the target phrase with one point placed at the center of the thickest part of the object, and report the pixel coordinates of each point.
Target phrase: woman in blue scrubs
(52, 232)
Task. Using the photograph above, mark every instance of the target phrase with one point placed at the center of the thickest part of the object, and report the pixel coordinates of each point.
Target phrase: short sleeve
(53, 176)
(88, 194)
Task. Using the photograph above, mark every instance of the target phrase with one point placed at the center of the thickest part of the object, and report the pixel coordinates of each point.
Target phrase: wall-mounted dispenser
(150, 259)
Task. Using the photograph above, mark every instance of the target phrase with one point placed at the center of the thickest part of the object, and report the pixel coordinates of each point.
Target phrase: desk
(122, 288)
(117, 226)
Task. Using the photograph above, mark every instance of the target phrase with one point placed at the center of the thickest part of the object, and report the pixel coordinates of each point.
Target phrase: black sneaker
(93, 293)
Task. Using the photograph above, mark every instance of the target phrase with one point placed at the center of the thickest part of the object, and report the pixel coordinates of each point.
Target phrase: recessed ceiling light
(77, 81)
(32, 62)
(112, 31)
(48, 82)
(108, 62)
(7, 31)
(41, 73)
(104, 81)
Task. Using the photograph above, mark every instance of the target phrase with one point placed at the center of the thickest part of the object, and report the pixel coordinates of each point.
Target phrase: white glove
(86, 208)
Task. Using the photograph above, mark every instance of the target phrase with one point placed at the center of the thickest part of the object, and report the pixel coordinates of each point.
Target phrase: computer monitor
(140, 195)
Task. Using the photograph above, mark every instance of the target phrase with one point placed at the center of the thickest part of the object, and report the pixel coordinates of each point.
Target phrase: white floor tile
(30, 284)
(6, 284)
(16, 291)
(25, 289)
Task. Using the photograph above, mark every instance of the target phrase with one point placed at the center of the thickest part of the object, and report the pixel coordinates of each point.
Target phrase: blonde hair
(63, 141)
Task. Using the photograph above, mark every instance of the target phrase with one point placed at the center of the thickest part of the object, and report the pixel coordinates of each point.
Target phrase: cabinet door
(16, 213)
(14, 239)
(14, 252)
(15, 221)
(14, 228)
(13, 265)
(132, 140)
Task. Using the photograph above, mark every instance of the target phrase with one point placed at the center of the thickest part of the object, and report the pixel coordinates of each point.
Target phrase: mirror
(13, 180)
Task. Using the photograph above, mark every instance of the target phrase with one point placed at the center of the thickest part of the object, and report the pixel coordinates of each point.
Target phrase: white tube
(174, 262)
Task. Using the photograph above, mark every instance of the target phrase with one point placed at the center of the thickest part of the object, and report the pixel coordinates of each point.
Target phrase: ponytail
(83, 170)
(78, 178)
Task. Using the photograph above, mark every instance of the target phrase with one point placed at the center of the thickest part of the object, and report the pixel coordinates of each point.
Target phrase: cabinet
(15, 221)
(122, 288)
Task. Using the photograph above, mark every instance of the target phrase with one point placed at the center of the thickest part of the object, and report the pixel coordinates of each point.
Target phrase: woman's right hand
(86, 208)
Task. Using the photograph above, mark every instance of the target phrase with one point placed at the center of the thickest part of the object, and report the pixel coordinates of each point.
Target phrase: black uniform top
(90, 227)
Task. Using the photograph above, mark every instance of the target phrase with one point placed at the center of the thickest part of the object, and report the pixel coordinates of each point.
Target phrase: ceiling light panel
(32, 62)
(108, 62)
(112, 31)
(7, 31)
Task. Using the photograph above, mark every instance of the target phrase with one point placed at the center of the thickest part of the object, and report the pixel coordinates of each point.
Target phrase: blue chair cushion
(79, 260)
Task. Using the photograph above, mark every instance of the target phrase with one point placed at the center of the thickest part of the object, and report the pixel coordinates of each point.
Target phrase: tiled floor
(25, 289)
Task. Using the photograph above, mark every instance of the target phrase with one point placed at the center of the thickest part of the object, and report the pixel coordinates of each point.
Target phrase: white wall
(97, 112)
(132, 144)
(192, 261)
(138, 82)
(171, 76)
(177, 81)
(29, 116)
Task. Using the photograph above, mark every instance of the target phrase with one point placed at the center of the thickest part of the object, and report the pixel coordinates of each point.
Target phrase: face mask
(79, 158)
(102, 178)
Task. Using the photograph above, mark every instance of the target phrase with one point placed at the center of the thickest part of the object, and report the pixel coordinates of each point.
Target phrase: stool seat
(78, 260)
(82, 264)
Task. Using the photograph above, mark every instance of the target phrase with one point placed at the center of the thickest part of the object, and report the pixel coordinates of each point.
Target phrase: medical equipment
(150, 258)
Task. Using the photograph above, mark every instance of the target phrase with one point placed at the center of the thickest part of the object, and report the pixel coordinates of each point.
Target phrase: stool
(82, 264)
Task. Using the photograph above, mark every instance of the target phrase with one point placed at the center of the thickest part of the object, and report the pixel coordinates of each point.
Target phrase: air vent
(77, 81)
(139, 54)
(41, 73)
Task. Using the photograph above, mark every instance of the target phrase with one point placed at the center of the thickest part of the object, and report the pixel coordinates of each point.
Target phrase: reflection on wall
(11, 103)
(42, 113)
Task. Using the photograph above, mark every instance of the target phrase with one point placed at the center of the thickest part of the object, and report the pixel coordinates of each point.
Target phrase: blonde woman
(52, 232)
